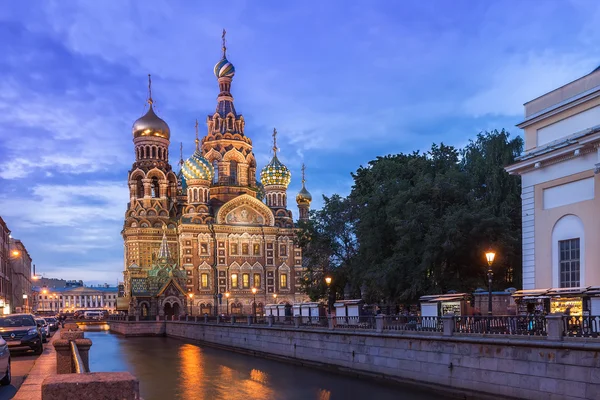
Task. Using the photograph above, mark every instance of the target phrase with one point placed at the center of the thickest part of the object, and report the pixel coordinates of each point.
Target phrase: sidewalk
(44, 366)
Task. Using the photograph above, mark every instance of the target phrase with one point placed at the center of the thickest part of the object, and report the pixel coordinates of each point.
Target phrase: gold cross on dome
(274, 141)
(197, 140)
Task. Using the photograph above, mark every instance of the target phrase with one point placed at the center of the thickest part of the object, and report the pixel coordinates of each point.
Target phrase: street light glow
(227, 294)
(191, 295)
(328, 280)
(16, 253)
(254, 290)
(489, 256)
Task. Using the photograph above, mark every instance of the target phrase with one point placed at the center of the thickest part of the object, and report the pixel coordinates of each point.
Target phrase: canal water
(173, 369)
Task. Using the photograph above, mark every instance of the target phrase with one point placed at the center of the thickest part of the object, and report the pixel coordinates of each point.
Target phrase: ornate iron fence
(408, 323)
(502, 325)
(582, 326)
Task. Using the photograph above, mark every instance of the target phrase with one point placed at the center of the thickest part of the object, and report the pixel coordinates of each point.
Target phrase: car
(21, 332)
(5, 371)
(52, 323)
(45, 328)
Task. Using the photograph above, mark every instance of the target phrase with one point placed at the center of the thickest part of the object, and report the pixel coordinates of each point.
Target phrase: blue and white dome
(197, 167)
(224, 69)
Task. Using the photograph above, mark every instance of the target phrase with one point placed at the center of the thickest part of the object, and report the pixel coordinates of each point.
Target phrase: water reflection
(192, 371)
(173, 369)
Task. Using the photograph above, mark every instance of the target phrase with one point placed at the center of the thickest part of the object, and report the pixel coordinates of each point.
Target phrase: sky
(342, 81)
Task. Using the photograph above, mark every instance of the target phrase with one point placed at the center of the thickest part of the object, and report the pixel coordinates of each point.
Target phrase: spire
(224, 48)
(197, 140)
(303, 170)
(274, 142)
(180, 154)
(150, 101)
(163, 252)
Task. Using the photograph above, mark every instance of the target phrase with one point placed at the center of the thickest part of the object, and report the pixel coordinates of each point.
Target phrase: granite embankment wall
(138, 328)
(499, 366)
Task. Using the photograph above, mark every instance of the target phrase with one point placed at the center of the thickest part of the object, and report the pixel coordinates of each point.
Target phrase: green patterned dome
(275, 173)
(197, 167)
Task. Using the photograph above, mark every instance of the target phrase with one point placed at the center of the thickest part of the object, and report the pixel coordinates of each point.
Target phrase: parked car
(21, 332)
(53, 323)
(5, 371)
(45, 328)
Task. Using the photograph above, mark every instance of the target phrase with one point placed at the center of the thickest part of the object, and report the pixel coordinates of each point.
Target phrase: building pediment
(245, 210)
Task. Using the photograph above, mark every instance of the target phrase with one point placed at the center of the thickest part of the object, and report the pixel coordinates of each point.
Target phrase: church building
(209, 238)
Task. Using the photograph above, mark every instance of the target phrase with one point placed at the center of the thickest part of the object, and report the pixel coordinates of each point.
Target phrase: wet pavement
(173, 369)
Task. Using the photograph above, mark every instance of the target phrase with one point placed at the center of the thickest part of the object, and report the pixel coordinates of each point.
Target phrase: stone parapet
(483, 366)
(64, 356)
(91, 386)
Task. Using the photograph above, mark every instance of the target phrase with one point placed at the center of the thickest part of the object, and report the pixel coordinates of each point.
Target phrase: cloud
(524, 77)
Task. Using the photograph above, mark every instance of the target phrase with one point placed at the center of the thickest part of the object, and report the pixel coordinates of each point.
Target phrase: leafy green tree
(329, 246)
(419, 223)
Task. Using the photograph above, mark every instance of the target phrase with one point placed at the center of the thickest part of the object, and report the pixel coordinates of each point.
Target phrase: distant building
(58, 283)
(559, 170)
(20, 271)
(73, 298)
(5, 255)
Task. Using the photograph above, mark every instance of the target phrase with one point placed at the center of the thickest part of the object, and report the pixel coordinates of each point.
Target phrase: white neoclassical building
(560, 186)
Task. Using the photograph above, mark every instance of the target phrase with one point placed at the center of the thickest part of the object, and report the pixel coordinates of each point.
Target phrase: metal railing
(582, 326)
(78, 365)
(355, 323)
(502, 325)
(411, 323)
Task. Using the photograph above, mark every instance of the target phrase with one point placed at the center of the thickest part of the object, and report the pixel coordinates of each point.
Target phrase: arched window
(233, 166)
(139, 188)
(216, 124)
(155, 190)
(216, 168)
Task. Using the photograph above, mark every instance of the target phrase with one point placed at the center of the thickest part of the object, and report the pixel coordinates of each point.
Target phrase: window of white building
(569, 262)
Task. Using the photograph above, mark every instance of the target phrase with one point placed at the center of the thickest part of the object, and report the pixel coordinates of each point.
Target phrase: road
(21, 364)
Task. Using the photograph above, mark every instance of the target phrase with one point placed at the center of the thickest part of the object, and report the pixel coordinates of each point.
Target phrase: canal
(173, 369)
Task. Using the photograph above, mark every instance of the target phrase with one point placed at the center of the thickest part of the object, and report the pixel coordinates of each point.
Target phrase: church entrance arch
(168, 310)
(175, 308)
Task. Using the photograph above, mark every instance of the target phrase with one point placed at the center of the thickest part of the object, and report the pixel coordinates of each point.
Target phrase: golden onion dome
(275, 173)
(303, 196)
(151, 125)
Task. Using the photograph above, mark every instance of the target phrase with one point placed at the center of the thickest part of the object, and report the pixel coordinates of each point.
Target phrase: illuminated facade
(55, 300)
(202, 240)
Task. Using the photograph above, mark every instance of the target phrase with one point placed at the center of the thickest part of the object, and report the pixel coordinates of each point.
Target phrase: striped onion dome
(275, 173)
(224, 69)
(197, 167)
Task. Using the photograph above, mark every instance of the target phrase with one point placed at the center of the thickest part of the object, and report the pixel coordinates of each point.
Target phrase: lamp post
(489, 256)
(254, 304)
(57, 303)
(191, 303)
(328, 282)
(26, 301)
(227, 294)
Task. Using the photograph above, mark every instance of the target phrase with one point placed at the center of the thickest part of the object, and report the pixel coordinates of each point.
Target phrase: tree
(329, 246)
(419, 223)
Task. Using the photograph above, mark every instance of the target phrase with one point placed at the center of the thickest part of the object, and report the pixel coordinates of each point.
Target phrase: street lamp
(328, 282)
(275, 298)
(191, 303)
(489, 256)
(254, 305)
(227, 294)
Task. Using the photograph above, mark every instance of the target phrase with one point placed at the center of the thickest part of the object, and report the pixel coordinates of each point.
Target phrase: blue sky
(343, 82)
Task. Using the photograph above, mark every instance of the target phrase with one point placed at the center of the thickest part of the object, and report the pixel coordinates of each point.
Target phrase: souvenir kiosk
(441, 304)
(348, 311)
(311, 311)
(531, 301)
(571, 301)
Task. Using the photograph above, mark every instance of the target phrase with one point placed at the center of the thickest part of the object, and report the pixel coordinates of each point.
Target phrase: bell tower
(152, 188)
